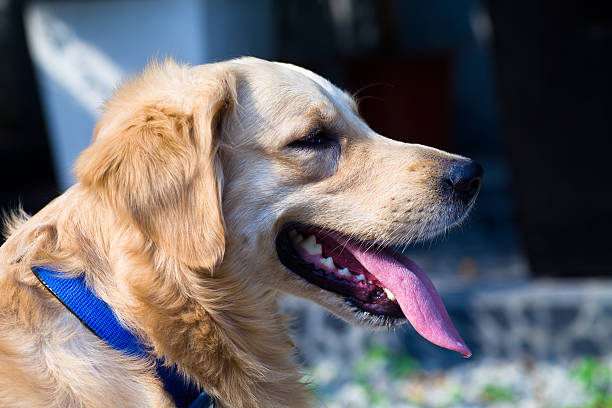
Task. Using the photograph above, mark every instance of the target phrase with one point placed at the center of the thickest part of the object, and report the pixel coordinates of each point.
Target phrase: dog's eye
(316, 140)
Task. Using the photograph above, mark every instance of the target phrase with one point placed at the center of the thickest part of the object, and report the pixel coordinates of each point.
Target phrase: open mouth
(374, 279)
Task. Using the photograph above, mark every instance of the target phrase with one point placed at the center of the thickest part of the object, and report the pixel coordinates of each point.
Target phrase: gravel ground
(383, 380)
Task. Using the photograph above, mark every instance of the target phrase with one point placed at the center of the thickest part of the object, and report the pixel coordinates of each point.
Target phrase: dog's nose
(465, 177)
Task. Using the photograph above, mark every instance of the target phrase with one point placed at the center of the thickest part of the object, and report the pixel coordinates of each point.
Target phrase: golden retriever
(206, 192)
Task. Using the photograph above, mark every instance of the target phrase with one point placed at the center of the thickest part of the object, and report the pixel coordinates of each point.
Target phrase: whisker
(363, 88)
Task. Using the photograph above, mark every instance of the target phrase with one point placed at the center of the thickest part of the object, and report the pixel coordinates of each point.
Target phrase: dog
(208, 191)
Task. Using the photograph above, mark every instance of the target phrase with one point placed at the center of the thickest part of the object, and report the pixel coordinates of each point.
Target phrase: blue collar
(98, 317)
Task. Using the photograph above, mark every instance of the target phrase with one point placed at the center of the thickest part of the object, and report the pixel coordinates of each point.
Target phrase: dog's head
(267, 171)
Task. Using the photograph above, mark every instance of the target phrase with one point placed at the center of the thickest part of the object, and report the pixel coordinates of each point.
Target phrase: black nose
(465, 177)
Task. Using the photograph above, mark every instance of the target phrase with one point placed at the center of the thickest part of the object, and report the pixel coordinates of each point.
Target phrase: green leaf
(496, 393)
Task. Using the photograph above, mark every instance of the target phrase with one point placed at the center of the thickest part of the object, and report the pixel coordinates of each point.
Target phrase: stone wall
(539, 320)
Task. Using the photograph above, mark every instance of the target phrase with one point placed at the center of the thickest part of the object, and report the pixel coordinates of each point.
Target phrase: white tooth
(361, 277)
(344, 272)
(329, 262)
(311, 246)
(389, 294)
(295, 237)
(370, 283)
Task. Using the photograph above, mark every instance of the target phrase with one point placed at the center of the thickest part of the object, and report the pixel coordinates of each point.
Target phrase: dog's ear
(154, 158)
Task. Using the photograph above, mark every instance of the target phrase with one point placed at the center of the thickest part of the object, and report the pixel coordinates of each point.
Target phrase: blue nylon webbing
(97, 315)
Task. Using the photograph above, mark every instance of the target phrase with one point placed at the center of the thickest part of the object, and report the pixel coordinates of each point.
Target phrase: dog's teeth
(361, 277)
(344, 272)
(329, 262)
(389, 294)
(311, 246)
(370, 282)
(295, 237)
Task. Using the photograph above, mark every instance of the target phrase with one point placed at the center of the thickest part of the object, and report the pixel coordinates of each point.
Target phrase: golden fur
(172, 222)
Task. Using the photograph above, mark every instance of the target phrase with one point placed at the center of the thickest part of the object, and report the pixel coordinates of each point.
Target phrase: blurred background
(523, 87)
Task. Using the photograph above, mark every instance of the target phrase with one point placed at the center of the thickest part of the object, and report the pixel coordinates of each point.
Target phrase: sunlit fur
(173, 220)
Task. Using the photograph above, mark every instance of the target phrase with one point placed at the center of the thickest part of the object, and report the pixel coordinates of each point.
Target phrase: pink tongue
(416, 295)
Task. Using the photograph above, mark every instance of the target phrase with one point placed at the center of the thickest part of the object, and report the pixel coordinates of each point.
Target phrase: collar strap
(98, 317)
